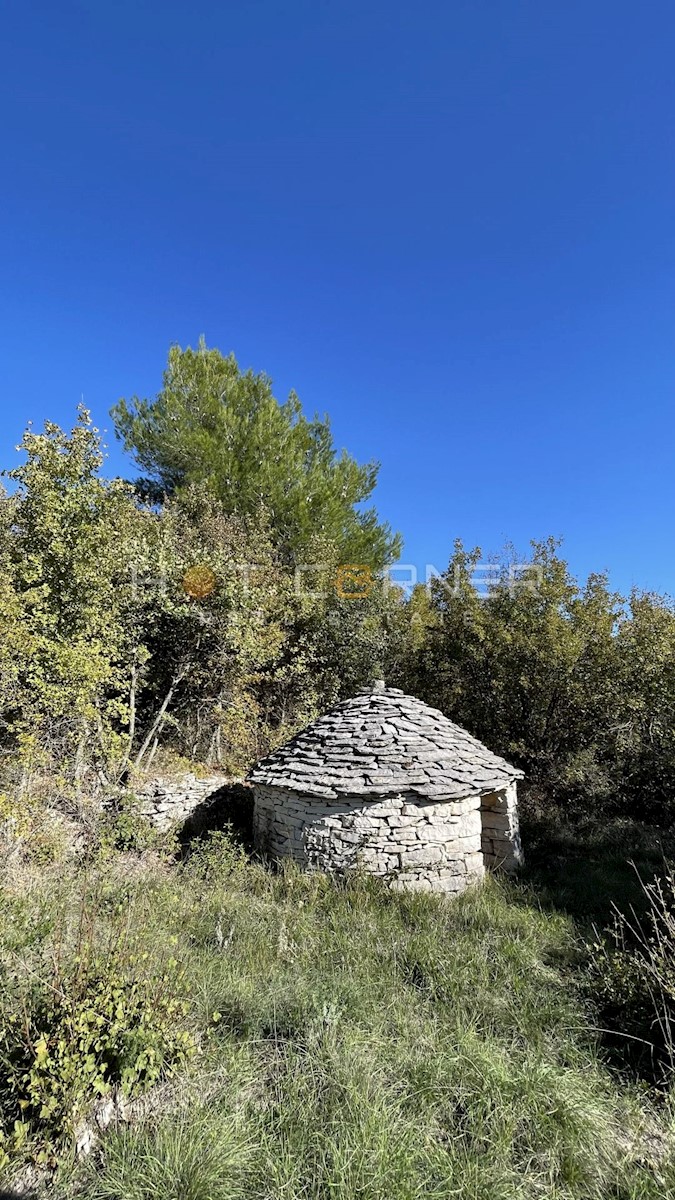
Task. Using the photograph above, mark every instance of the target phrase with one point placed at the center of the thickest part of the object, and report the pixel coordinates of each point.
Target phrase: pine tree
(217, 426)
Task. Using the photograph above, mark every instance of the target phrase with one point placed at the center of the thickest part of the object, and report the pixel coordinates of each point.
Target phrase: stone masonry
(166, 802)
(388, 784)
(500, 832)
(427, 846)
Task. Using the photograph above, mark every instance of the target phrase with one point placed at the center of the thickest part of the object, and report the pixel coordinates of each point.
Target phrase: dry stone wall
(411, 841)
(166, 802)
(500, 840)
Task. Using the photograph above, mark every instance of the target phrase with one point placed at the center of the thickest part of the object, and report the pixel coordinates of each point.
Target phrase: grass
(368, 1045)
(199, 1155)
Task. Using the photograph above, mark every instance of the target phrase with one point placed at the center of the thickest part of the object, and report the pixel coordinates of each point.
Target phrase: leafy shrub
(92, 1022)
(216, 857)
(29, 826)
(122, 827)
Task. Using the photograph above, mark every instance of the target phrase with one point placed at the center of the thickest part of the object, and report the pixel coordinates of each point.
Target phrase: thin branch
(159, 719)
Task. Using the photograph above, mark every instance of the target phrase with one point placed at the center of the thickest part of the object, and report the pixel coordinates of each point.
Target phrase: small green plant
(93, 1022)
(123, 827)
(217, 857)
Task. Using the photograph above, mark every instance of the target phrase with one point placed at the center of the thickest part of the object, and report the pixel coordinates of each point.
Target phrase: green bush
(122, 827)
(216, 857)
(89, 1023)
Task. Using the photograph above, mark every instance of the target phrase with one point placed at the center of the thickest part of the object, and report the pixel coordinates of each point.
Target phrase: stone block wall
(500, 841)
(414, 843)
(166, 802)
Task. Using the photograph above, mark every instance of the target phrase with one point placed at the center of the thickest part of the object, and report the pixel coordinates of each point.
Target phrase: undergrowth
(632, 973)
(367, 1044)
(85, 1011)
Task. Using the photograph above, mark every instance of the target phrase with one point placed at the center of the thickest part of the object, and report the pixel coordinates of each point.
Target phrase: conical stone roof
(383, 741)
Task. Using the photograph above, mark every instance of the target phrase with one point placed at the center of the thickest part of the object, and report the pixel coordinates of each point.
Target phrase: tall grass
(390, 1047)
(633, 975)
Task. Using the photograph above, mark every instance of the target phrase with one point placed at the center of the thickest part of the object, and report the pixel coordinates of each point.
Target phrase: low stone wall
(500, 840)
(413, 843)
(166, 802)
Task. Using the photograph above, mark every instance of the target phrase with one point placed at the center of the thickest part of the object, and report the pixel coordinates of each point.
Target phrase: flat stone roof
(383, 741)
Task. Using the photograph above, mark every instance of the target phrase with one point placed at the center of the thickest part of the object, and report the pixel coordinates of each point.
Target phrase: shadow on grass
(588, 870)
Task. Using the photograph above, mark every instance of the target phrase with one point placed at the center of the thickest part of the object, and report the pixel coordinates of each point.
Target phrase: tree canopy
(217, 426)
(132, 630)
(127, 625)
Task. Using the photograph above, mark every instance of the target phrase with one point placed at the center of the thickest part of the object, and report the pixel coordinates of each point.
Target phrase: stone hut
(387, 783)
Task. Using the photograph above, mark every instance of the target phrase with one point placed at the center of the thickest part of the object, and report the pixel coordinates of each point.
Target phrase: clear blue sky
(451, 225)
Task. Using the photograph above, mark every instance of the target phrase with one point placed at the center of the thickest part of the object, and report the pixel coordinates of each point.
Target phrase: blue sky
(450, 225)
